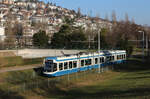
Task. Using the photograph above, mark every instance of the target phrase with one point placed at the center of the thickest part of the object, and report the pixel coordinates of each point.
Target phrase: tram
(68, 64)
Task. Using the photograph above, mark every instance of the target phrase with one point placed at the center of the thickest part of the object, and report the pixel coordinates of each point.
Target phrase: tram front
(49, 67)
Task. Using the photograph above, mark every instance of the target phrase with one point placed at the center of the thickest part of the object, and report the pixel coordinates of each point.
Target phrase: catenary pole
(99, 47)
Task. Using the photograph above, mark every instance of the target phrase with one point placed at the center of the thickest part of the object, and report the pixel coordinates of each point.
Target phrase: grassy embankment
(126, 81)
(18, 61)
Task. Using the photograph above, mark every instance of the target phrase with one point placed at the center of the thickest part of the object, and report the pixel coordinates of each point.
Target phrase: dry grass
(18, 61)
(7, 54)
(128, 81)
(97, 78)
(10, 61)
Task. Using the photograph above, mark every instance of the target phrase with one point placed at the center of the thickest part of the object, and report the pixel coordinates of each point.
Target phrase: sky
(139, 10)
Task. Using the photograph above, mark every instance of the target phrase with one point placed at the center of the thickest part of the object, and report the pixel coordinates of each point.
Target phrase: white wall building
(2, 33)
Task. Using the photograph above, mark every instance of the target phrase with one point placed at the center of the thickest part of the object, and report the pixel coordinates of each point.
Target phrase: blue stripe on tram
(74, 70)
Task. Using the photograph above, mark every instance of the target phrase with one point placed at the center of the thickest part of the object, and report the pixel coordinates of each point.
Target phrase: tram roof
(86, 54)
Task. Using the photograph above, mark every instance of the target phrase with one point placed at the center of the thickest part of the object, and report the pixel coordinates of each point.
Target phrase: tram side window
(118, 57)
(100, 60)
(88, 62)
(82, 62)
(70, 65)
(65, 65)
(124, 56)
(74, 64)
(96, 60)
(108, 58)
(54, 67)
(60, 66)
(113, 58)
(121, 56)
(103, 60)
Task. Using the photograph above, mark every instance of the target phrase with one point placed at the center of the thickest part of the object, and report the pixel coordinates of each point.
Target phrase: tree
(40, 39)
(18, 32)
(106, 17)
(126, 17)
(120, 35)
(124, 44)
(77, 39)
(60, 38)
(10, 42)
(10, 39)
(103, 36)
(67, 37)
(28, 7)
(114, 18)
(79, 13)
(68, 21)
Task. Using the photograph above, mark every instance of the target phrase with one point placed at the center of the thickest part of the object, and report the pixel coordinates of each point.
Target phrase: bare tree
(9, 30)
(18, 33)
(79, 13)
(41, 26)
(126, 17)
(106, 17)
(9, 24)
(114, 18)
(132, 21)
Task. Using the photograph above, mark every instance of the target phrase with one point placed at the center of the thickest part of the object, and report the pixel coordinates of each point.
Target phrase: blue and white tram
(62, 65)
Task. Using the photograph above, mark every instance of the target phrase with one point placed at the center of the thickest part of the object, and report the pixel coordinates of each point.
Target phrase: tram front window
(50, 66)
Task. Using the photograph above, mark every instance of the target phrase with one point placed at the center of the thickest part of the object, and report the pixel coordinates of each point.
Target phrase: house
(2, 33)
(8, 1)
(29, 31)
(39, 19)
(32, 4)
(20, 3)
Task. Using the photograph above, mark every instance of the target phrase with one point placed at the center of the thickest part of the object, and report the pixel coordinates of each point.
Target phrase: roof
(83, 55)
